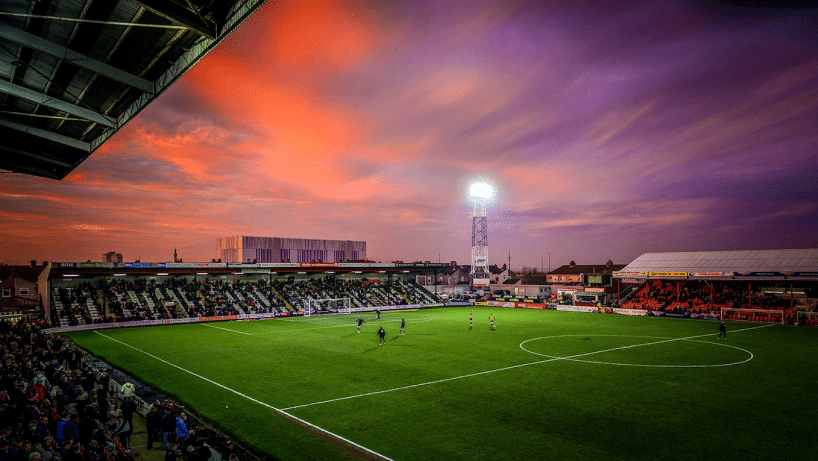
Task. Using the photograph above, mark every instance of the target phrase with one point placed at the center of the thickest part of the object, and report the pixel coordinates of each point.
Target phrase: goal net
(753, 315)
(807, 318)
(327, 306)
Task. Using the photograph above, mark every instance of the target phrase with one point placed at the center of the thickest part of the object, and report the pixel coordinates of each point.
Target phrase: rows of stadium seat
(694, 296)
(141, 299)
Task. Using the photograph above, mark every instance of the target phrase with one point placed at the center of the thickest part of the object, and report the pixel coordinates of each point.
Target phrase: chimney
(33, 263)
(572, 264)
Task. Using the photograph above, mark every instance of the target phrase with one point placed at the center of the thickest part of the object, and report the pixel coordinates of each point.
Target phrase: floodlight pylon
(480, 246)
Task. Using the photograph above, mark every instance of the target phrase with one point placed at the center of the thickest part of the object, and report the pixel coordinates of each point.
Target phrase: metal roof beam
(75, 143)
(43, 158)
(241, 10)
(32, 41)
(40, 98)
(8, 163)
(180, 15)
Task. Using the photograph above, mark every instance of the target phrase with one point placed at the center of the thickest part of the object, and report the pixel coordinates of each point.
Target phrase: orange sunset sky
(609, 129)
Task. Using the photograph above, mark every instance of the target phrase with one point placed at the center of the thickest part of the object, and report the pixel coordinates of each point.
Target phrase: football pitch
(542, 385)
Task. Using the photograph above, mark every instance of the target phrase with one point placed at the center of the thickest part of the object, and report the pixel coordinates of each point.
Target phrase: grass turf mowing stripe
(322, 328)
(282, 412)
(225, 329)
(516, 366)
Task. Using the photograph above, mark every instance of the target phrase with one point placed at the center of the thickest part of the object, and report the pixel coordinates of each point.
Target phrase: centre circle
(584, 348)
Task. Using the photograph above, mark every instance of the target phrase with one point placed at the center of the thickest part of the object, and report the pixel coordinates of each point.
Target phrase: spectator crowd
(54, 407)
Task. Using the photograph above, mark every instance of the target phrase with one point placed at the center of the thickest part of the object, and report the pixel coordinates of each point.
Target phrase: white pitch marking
(335, 326)
(251, 399)
(637, 345)
(499, 369)
(226, 329)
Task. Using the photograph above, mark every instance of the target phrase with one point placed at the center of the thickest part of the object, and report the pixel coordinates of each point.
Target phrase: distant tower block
(480, 194)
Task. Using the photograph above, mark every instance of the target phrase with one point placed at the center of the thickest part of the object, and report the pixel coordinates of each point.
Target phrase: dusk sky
(609, 129)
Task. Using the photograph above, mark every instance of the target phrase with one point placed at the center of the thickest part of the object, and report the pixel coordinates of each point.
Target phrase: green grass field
(543, 385)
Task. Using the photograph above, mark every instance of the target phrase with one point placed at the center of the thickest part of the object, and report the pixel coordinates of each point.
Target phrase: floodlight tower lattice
(480, 194)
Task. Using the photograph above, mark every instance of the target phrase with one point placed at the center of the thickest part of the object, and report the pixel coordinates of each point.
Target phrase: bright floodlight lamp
(480, 194)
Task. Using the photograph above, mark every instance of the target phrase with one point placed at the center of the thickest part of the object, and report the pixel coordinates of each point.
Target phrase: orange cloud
(321, 33)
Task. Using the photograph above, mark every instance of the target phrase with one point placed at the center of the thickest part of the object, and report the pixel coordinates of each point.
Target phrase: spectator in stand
(61, 423)
(95, 451)
(128, 390)
(229, 449)
(38, 390)
(168, 426)
(128, 408)
(72, 428)
(87, 426)
(123, 430)
(4, 449)
(172, 453)
(181, 428)
(49, 446)
(152, 421)
(41, 433)
(112, 420)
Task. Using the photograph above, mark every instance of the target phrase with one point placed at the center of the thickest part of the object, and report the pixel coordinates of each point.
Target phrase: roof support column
(711, 297)
(750, 293)
(677, 291)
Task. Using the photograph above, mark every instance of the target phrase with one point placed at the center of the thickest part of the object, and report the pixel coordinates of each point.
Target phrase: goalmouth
(327, 306)
(753, 315)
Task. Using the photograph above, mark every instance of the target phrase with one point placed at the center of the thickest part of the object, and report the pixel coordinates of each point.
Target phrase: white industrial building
(242, 248)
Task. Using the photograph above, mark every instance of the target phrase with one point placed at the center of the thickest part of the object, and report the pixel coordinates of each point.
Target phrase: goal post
(328, 305)
(753, 315)
(806, 318)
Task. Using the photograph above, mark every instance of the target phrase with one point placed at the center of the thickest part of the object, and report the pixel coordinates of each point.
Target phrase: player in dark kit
(723, 331)
(402, 326)
(378, 314)
(382, 335)
(359, 323)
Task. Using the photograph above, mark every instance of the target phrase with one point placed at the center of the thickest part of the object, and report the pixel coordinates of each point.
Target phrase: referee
(723, 331)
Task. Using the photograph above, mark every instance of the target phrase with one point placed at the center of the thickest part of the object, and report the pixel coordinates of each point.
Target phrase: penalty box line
(277, 410)
(507, 368)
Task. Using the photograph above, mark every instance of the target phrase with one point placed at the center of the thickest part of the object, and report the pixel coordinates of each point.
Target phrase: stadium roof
(73, 72)
(759, 263)
(587, 269)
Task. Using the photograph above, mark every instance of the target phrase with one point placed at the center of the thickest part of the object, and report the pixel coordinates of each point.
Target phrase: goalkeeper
(359, 323)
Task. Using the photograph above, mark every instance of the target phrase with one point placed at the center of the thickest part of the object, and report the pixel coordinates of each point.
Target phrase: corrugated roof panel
(799, 260)
(131, 52)
(58, 31)
(38, 71)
